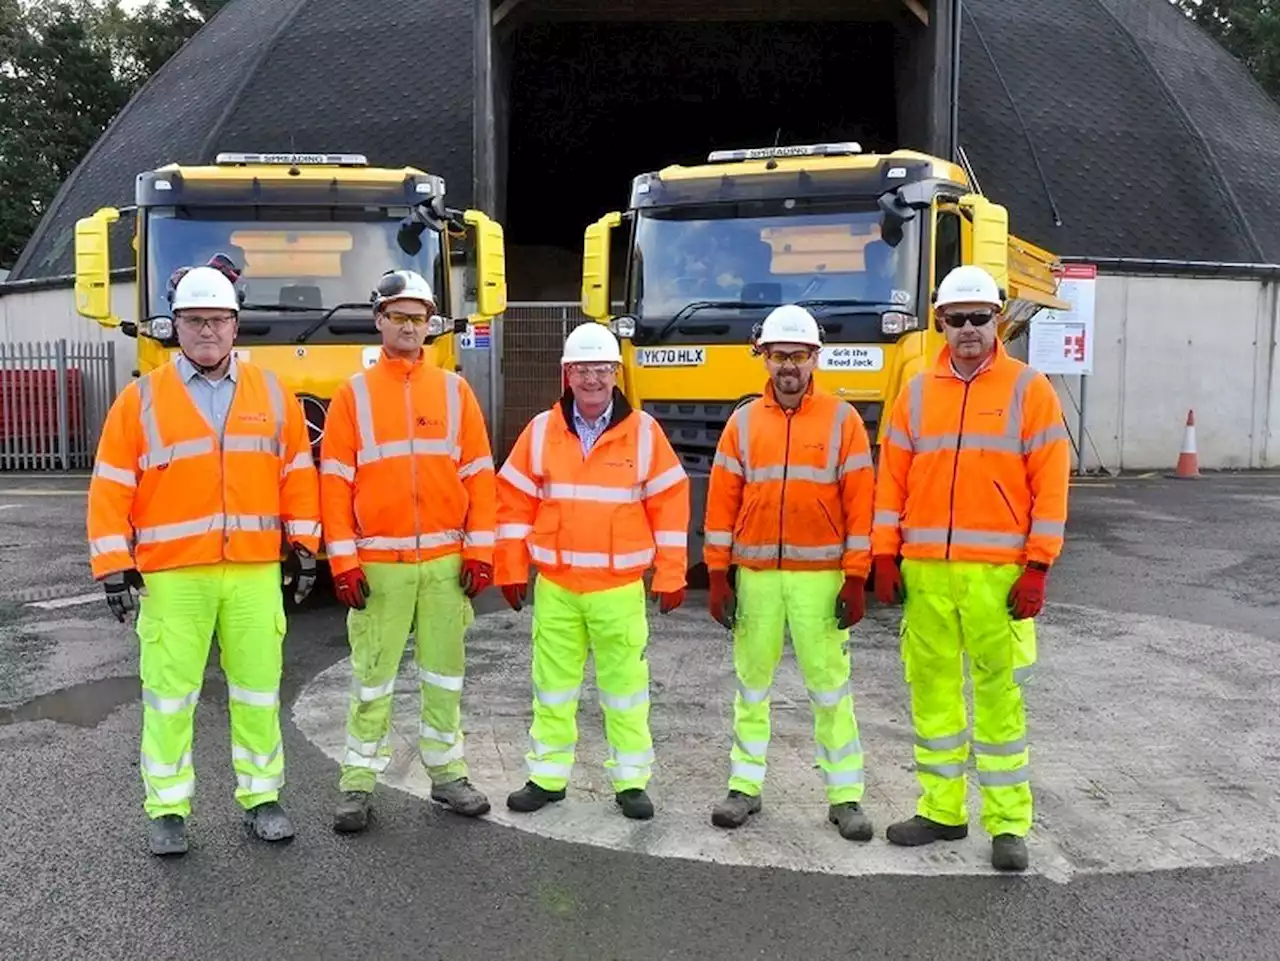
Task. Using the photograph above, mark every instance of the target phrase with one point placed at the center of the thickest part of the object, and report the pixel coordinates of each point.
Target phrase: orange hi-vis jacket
(168, 492)
(791, 490)
(974, 471)
(595, 522)
(406, 471)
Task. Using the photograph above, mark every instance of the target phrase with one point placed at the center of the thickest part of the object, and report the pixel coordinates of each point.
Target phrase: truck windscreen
(295, 263)
(710, 272)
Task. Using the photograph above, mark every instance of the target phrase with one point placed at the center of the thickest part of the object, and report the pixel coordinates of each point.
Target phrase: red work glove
(724, 606)
(1027, 597)
(514, 594)
(668, 601)
(351, 588)
(851, 605)
(888, 580)
(475, 577)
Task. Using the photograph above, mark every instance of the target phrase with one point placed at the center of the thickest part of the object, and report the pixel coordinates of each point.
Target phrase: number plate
(671, 356)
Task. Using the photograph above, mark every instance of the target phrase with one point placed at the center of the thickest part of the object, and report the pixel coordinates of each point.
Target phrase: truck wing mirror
(491, 265)
(595, 266)
(93, 266)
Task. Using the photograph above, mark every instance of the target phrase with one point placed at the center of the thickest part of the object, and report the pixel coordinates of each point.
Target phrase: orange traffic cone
(1188, 462)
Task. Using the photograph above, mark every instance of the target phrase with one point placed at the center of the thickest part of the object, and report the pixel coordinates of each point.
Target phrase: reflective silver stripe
(1007, 749)
(855, 462)
(622, 773)
(752, 695)
(948, 743)
(552, 698)
(301, 461)
(160, 456)
(843, 778)
(888, 517)
(419, 542)
(671, 538)
(428, 733)
(117, 474)
(514, 532)
(170, 705)
(541, 555)
(942, 770)
(743, 419)
(364, 419)
(538, 441)
(342, 548)
(1045, 437)
(205, 525)
(366, 694)
(834, 755)
(453, 413)
(276, 393)
(1013, 422)
(983, 442)
(1021, 674)
(747, 771)
(1003, 778)
(441, 758)
(898, 439)
(302, 528)
(156, 769)
(644, 451)
(259, 785)
(718, 539)
(819, 475)
(751, 748)
(367, 748)
(257, 760)
(857, 543)
(475, 467)
(623, 702)
(375, 764)
(915, 410)
(174, 794)
(665, 481)
(253, 698)
(790, 552)
(1048, 528)
(730, 464)
(478, 539)
(593, 493)
(549, 769)
(517, 480)
(442, 681)
(595, 561)
(640, 759)
(540, 749)
(250, 444)
(147, 414)
(967, 538)
(833, 444)
(829, 698)
(108, 545)
(335, 468)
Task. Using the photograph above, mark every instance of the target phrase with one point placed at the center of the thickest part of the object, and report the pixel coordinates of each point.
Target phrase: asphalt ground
(76, 881)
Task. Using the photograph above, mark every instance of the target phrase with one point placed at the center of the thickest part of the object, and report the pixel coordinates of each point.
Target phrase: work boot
(853, 823)
(459, 796)
(168, 835)
(734, 810)
(1008, 853)
(269, 822)
(352, 814)
(919, 830)
(531, 797)
(635, 804)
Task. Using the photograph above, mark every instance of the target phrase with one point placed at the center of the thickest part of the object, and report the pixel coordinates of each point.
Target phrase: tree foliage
(1248, 29)
(67, 67)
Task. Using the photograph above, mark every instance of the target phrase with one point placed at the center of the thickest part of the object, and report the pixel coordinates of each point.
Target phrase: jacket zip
(955, 468)
(413, 465)
(782, 497)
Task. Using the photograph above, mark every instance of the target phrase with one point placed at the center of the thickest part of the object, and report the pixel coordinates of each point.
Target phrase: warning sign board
(1062, 340)
(477, 337)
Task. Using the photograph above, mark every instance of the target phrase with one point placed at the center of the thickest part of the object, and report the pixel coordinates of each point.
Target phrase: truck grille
(694, 426)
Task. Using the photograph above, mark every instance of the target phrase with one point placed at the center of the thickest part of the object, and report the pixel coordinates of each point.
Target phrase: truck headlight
(437, 325)
(623, 326)
(161, 328)
(898, 322)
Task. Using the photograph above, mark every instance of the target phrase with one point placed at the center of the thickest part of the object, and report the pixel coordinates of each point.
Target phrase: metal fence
(54, 397)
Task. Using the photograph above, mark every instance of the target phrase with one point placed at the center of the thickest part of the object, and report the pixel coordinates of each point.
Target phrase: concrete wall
(1166, 345)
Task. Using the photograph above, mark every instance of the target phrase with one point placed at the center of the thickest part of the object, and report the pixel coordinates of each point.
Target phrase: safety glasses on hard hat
(796, 357)
(978, 318)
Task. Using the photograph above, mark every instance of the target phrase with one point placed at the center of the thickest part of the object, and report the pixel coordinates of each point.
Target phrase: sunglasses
(796, 357)
(978, 318)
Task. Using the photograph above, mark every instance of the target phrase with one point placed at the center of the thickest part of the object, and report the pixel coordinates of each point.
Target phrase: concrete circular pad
(1153, 747)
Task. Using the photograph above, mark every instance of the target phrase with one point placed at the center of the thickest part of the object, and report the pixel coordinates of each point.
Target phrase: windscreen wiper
(688, 310)
(303, 337)
(840, 302)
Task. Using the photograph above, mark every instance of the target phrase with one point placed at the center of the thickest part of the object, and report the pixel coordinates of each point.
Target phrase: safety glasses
(216, 324)
(583, 371)
(418, 320)
(978, 318)
(796, 357)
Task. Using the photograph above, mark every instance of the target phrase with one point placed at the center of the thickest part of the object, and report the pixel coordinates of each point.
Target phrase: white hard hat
(591, 343)
(402, 285)
(205, 287)
(968, 284)
(790, 324)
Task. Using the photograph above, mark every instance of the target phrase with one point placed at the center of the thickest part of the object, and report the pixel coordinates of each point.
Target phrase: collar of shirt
(189, 372)
(985, 364)
(599, 422)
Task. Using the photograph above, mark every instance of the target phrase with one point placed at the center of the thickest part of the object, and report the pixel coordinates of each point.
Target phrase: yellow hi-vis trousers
(954, 608)
(566, 626)
(177, 619)
(427, 598)
(804, 601)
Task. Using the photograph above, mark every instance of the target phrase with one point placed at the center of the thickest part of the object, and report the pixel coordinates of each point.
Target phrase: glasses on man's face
(583, 371)
(978, 318)
(418, 320)
(796, 357)
(196, 324)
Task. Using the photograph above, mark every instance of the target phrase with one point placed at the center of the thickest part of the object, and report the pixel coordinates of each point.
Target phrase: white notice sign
(671, 356)
(1062, 340)
(851, 358)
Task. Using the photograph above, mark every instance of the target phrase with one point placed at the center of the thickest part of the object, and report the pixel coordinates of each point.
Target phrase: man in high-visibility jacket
(789, 504)
(203, 480)
(972, 491)
(594, 495)
(408, 504)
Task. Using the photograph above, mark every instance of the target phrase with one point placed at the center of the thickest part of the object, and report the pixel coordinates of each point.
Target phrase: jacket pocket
(546, 534)
(826, 516)
(629, 538)
(1013, 515)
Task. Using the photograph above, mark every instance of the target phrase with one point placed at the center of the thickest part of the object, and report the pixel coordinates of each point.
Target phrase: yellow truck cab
(311, 235)
(862, 240)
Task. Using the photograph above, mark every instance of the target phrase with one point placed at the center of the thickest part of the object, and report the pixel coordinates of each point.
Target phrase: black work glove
(122, 589)
(300, 569)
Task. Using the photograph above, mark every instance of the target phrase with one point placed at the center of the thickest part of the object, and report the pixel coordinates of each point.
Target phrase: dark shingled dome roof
(1143, 134)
